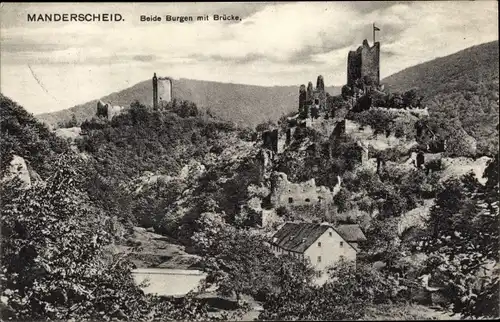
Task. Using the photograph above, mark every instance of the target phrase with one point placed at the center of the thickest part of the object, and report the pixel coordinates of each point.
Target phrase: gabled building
(323, 244)
(352, 233)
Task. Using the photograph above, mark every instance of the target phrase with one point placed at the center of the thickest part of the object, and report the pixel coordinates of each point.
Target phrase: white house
(323, 244)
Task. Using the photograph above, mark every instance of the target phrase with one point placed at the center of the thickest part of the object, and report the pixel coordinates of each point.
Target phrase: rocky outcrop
(416, 217)
(21, 170)
(457, 167)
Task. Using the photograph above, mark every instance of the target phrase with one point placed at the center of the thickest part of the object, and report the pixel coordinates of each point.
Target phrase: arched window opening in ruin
(290, 200)
(330, 233)
(308, 200)
(341, 244)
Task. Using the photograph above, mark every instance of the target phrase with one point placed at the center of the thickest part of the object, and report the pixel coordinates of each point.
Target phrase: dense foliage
(23, 135)
(145, 140)
(54, 261)
(324, 160)
(238, 261)
(142, 141)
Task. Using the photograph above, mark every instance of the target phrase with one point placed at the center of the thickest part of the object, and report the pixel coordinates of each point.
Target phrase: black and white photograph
(249, 161)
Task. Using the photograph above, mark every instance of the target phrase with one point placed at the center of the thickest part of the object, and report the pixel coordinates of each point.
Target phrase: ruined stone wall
(302, 99)
(363, 150)
(320, 99)
(353, 67)
(270, 140)
(320, 83)
(107, 110)
(309, 93)
(286, 193)
(312, 101)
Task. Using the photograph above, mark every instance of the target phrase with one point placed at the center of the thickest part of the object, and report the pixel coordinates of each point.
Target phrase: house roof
(351, 233)
(297, 237)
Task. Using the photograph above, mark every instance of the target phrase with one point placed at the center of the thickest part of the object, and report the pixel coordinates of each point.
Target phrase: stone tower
(309, 98)
(320, 83)
(302, 98)
(162, 91)
(309, 93)
(364, 65)
(320, 94)
(155, 92)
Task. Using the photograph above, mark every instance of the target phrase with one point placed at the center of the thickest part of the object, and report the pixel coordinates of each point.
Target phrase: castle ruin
(107, 111)
(285, 193)
(312, 100)
(162, 91)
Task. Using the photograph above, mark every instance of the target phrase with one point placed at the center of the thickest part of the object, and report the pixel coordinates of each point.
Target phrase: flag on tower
(374, 29)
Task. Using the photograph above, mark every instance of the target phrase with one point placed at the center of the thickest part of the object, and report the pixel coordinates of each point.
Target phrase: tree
(395, 100)
(238, 261)
(462, 243)
(185, 109)
(295, 293)
(382, 242)
(411, 98)
(73, 122)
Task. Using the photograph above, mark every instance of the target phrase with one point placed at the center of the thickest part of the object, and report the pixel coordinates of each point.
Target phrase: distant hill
(245, 105)
(477, 64)
(463, 85)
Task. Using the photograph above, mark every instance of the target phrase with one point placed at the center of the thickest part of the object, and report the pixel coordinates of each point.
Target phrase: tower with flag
(363, 64)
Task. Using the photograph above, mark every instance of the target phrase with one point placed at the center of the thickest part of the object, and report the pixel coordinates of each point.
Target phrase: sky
(49, 66)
